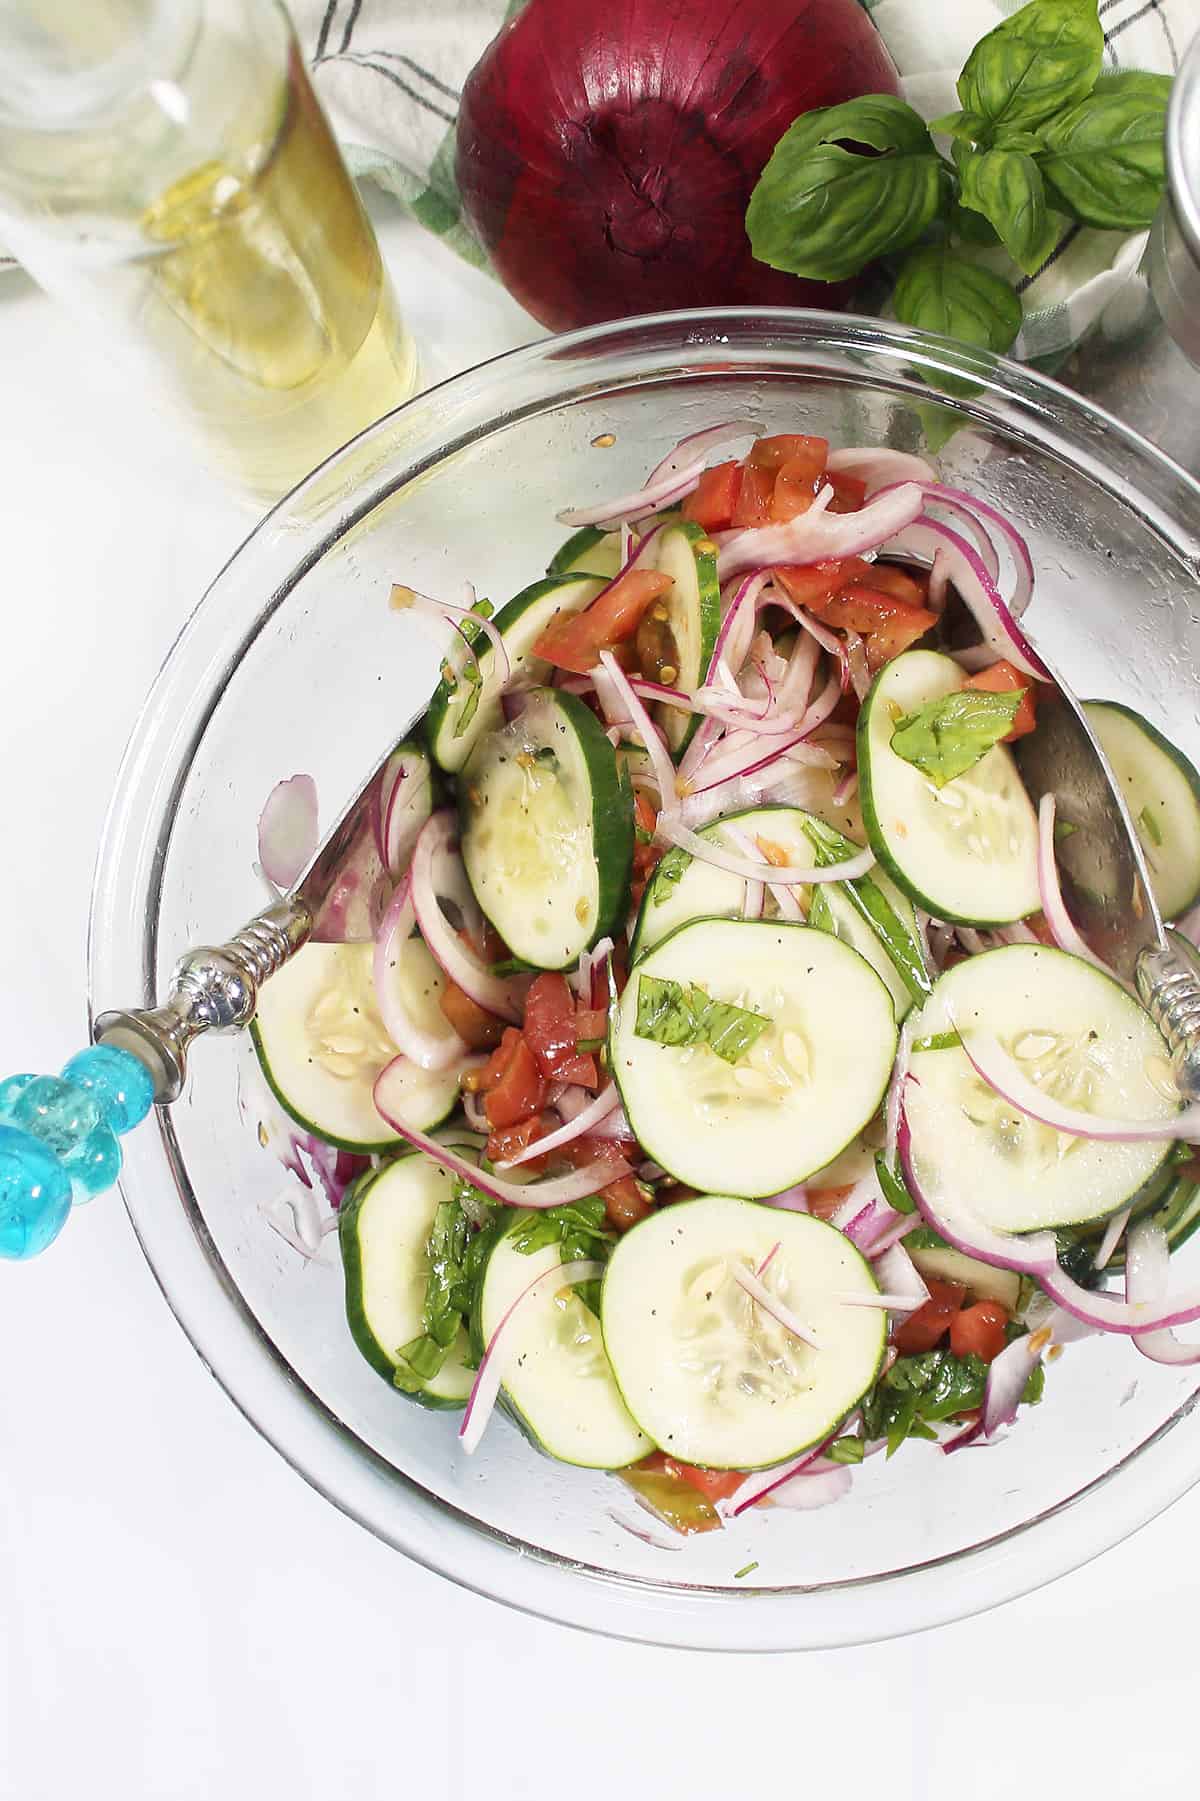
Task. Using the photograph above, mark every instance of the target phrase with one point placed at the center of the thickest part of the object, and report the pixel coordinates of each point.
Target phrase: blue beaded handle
(58, 1141)
(58, 1134)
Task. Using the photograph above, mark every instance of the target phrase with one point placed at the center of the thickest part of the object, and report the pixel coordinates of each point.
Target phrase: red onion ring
(818, 535)
(429, 1050)
(992, 1063)
(1062, 926)
(404, 599)
(700, 443)
(646, 730)
(597, 1109)
(779, 1311)
(789, 877)
(762, 1482)
(405, 808)
(878, 467)
(1000, 633)
(438, 836)
(646, 500)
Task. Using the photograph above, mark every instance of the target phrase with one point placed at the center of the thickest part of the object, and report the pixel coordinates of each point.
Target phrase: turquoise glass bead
(93, 1165)
(54, 1111)
(35, 1194)
(117, 1081)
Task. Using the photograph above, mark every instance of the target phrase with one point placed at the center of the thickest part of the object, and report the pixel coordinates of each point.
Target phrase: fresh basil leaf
(580, 1226)
(972, 127)
(1006, 187)
(919, 1391)
(895, 1189)
(972, 228)
(845, 1450)
(1105, 158)
(942, 292)
(829, 845)
(420, 1360)
(823, 210)
(668, 873)
(947, 737)
(938, 1041)
(671, 1014)
(1015, 138)
(1045, 57)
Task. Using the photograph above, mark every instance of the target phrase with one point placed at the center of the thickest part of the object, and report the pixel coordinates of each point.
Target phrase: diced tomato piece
(1002, 678)
(979, 1331)
(575, 643)
(552, 1032)
(849, 493)
(787, 447)
(887, 626)
(925, 1329)
(589, 1149)
(646, 854)
(885, 578)
(712, 501)
(824, 1202)
(505, 1142)
(797, 482)
(753, 503)
(625, 1203)
(514, 1087)
(813, 585)
(477, 1027)
(716, 1485)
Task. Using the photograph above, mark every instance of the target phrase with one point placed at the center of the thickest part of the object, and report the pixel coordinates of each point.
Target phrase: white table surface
(180, 1616)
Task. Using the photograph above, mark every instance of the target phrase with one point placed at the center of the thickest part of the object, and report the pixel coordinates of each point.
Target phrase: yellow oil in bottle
(205, 215)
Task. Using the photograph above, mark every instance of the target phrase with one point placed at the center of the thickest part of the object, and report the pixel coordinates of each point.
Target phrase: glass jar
(167, 171)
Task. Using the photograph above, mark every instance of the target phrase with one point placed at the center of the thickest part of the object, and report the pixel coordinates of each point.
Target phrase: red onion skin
(607, 149)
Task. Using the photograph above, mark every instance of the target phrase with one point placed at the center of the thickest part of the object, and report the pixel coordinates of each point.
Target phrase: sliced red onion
(541, 1194)
(796, 687)
(791, 1200)
(788, 877)
(1000, 633)
(406, 804)
(606, 1102)
(963, 517)
(700, 444)
(878, 467)
(651, 738)
(428, 1049)
(287, 829)
(763, 1482)
(438, 837)
(404, 599)
(897, 1274)
(993, 1064)
(894, 1104)
(818, 535)
(737, 627)
(846, 789)
(647, 1538)
(1113, 1233)
(589, 960)
(752, 907)
(779, 1311)
(489, 1377)
(1147, 1268)
(1062, 926)
(856, 662)
(742, 756)
(939, 584)
(767, 1261)
(703, 742)
(648, 499)
(1032, 1254)
(857, 1205)
(1007, 1378)
(971, 504)
(816, 1488)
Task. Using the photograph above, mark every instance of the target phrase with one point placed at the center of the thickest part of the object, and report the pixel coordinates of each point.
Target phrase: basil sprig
(1040, 140)
(679, 1013)
(947, 737)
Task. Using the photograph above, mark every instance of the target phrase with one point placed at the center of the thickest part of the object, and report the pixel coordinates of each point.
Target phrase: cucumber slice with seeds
(811, 1080)
(557, 1381)
(692, 609)
(879, 922)
(383, 1232)
(710, 1376)
(321, 1044)
(463, 709)
(589, 551)
(547, 830)
(966, 852)
(1077, 1034)
(1161, 788)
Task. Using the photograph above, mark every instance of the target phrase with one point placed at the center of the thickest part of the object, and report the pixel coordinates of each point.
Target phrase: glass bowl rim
(202, 1295)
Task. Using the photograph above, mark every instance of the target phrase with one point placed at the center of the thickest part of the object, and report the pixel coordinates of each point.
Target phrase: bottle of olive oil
(166, 169)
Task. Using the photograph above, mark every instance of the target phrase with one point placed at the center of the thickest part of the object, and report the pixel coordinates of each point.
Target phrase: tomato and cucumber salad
(723, 944)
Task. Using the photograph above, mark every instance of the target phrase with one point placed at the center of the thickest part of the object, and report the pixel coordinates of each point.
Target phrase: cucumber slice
(684, 888)
(855, 1164)
(710, 1376)
(547, 830)
(557, 1380)
(1162, 791)
(383, 1231)
(461, 711)
(321, 1044)
(810, 1082)
(1078, 1035)
(589, 551)
(880, 923)
(688, 555)
(966, 852)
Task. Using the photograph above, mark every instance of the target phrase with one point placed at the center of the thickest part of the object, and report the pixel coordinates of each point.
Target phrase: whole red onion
(607, 149)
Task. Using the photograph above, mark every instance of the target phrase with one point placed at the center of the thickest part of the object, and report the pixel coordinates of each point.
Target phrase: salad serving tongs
(58, 1134)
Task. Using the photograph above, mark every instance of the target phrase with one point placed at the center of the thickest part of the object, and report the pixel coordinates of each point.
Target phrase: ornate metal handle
(58, 1134)
(1168, 980)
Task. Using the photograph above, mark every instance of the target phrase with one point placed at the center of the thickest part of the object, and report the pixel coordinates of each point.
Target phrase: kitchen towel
(390, 73)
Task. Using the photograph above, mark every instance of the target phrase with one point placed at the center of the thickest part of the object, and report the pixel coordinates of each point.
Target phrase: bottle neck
(66, 66)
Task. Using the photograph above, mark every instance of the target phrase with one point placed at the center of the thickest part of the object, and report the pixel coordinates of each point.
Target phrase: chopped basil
(947, 737)
(938, 1041)
(673, 1013)
(919, 1392)
(454, 1270)
(895, 1190)
(668, 873)
(580, 1227)
(845, 1450)
(746, 1570)
(470, 705)
(585, 1047)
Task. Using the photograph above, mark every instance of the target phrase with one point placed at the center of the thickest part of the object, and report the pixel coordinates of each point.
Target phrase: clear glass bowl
(293, 661)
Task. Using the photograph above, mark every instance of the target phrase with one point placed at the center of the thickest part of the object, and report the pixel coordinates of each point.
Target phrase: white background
(180, 1616)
